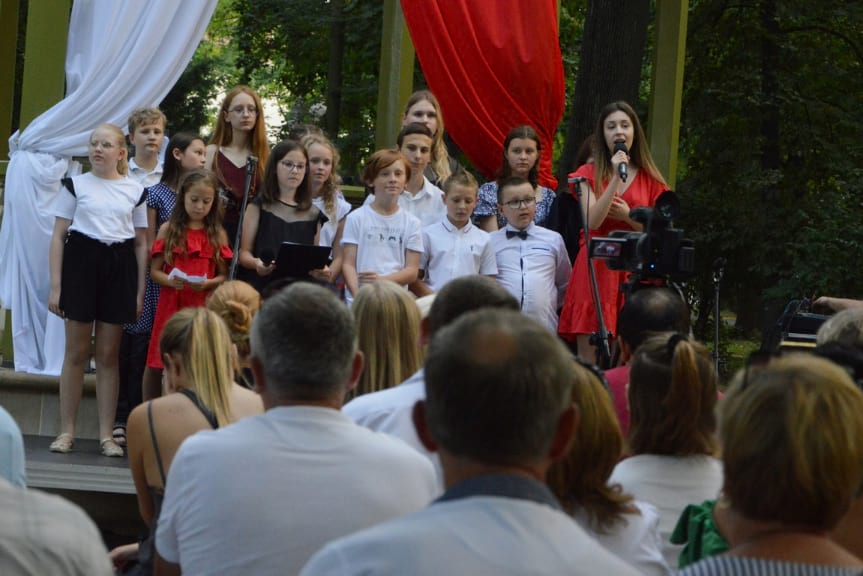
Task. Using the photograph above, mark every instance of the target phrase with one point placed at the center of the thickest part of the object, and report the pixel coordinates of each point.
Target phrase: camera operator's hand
(619, 209)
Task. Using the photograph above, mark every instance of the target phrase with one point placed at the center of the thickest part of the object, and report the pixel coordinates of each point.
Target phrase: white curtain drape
(120, 56)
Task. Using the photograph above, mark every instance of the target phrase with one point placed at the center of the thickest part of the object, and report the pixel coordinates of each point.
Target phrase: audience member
(672, 396)
(453, 246)
(45, 534)
(499, 410)
(388, 335)
(793, 462)
(834, 304)
(200, 395)
(262, 495)
(845, 327)
(532, 262)
(522, 150)
(390, 411)
(13, 467)
(626, 527)
(645, 312)
(237, 303)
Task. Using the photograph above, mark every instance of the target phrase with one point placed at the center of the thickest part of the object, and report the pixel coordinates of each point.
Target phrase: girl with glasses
(240, 132)
(283, 212)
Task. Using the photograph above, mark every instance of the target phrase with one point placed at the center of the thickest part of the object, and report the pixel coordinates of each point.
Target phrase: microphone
(621, 168)
(574, 184)
(252, 164)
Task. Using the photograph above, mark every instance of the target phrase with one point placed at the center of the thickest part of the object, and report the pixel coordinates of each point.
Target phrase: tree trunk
(334, 68)
(612, 53)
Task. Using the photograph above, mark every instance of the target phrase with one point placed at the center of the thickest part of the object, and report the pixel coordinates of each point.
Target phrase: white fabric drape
(120, 56)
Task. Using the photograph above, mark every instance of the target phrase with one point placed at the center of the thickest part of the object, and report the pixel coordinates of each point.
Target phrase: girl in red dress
(605, 212)
(193, 242)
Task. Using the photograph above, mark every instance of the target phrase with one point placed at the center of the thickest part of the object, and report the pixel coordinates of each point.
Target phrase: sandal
(62, 444)
(119, 435)
(110, 448)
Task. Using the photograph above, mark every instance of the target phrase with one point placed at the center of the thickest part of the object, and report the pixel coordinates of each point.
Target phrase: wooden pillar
(666, 95)
(8, 45)
(43, 81)
(395, 83)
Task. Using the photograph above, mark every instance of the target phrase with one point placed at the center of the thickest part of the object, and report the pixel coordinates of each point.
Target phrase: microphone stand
(599, 338)
(718, 270)
(251, 168)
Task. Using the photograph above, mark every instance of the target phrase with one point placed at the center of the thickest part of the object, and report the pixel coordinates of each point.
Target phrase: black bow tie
(520, 233)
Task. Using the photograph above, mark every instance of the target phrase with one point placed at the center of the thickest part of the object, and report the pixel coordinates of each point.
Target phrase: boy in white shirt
(532, 261)
(146, 133)
(381, 240)
(453, 246)
(420, 198)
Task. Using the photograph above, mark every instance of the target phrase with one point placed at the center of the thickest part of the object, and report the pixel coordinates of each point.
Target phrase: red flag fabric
(493, 65)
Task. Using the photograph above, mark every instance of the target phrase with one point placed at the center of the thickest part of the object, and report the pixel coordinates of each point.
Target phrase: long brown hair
(223, 133)
(580, 480)
(525, 133)
(172, 168)
(672, 398)
(178, 223)
(639, 155)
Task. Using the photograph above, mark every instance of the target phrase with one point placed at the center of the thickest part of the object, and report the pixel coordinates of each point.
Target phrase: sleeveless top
(232, 182)
(146, 549)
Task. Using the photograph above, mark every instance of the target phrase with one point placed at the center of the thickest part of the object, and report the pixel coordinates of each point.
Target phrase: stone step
(34, 401)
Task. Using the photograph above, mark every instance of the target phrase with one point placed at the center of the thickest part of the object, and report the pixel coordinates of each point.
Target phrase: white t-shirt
(670, 483)
(331, 226)
(535, 270)
(452, 252)
(105, 210)
(635, 540)
(382, 240)
(480, 535)
(262, 495)
(427, 204)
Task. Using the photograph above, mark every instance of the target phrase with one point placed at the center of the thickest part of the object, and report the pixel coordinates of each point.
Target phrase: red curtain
(493, 65)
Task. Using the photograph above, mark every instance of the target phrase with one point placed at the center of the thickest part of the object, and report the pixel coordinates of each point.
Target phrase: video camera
(660, 251)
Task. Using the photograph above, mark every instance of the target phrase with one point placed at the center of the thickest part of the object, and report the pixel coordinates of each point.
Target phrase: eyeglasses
(240, 110)
(104, 144)
(291, 167)
(521, 203)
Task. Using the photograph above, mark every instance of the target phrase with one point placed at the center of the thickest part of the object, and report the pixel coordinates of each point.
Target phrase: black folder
(297, 260)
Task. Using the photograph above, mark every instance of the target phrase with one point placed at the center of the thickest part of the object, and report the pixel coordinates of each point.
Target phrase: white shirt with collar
(452, 252)
(535, 270)
(144, 177)
(427, 204)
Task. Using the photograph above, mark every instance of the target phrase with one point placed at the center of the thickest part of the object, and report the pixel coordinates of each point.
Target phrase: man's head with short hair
(845, 328)
(465, 294)
(304, 345)
(648, 311)
(497, 385)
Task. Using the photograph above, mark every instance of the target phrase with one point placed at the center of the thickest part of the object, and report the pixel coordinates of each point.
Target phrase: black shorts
(99, 281)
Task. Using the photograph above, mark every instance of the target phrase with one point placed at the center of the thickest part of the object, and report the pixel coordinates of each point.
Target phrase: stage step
(83, 469)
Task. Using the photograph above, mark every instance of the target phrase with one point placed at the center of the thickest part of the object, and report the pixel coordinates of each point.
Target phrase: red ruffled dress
(579, 313)
(199, 259)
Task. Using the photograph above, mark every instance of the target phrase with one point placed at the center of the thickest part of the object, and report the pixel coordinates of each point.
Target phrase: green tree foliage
(771, 155)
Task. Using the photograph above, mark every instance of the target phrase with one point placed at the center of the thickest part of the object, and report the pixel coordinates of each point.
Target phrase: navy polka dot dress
(161, 198)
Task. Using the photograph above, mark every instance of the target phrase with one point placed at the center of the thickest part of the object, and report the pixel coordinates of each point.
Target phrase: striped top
(743, 566)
